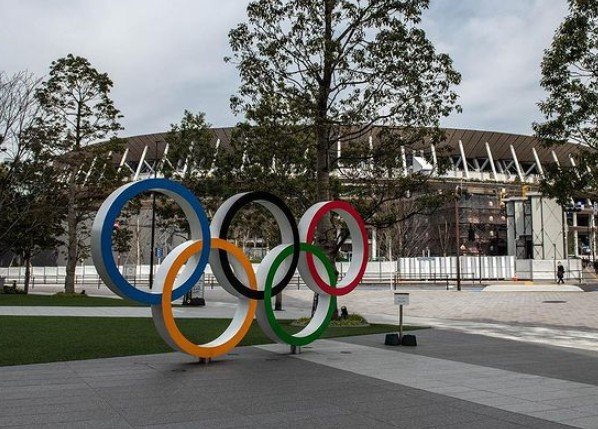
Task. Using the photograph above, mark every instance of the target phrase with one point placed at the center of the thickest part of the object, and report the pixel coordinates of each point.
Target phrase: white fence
(445, 268)
(545, 269)
(436, 269)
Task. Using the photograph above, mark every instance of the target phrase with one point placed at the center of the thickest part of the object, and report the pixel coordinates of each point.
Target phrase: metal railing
(88, 277)
(387, 273)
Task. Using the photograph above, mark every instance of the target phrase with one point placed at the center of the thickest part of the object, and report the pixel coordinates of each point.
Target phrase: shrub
(352, 321)
(10, 290)
(70, 295)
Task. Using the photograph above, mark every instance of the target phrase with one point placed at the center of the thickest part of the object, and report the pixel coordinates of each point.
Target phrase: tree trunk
(71, 219)
(322, 131)
(27, 260)
(71, 227)
(321, 122)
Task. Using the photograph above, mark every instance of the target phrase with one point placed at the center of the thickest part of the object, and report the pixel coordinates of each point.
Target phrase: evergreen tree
(314, 74)
(570, 76)
(76, 112)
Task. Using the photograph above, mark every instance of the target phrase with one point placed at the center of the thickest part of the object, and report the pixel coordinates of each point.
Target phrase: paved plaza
(575, 310)
(567, 319)
(451, 380)
(490, 360)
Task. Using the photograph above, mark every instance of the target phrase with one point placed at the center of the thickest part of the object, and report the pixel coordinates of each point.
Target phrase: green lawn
(37, 339)
(61, 300)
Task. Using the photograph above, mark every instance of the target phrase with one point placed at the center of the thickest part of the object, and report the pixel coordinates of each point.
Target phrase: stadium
(492, 170)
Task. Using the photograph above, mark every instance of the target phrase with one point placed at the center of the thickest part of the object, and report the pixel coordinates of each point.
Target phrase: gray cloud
(498, 47)
(165, 57)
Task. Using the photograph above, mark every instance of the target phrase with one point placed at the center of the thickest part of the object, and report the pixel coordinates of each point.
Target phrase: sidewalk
(567, 319)
(451, 380)
(213, 309)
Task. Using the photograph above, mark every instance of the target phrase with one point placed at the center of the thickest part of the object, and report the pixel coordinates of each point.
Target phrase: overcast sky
(166, 56)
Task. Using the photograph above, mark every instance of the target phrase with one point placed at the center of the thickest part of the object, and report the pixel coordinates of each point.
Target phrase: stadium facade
(490, 168)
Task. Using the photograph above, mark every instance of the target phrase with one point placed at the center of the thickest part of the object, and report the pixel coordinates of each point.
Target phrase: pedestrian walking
(560, 273)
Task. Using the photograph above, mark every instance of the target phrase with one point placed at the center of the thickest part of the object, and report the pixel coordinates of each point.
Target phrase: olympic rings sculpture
(230, 265)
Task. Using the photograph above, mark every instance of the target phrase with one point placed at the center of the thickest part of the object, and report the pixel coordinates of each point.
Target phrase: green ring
(281, 333)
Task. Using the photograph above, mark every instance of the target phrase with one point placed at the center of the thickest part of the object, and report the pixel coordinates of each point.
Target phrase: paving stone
(584, 422)
(258, 388)
(529, 360)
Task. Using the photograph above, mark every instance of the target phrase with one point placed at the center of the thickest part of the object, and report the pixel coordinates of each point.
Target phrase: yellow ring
(219, 348)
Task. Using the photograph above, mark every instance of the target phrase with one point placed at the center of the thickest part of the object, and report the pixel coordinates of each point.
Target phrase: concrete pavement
(455, 378)
(555, 309)
(451, 380)
(566, 319)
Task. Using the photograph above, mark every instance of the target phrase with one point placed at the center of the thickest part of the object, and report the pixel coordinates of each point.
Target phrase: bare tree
(18, 109)
(30, 218)
(410, 236)
(443, 232)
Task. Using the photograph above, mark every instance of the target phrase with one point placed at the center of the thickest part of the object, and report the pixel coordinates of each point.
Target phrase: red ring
(311, 232)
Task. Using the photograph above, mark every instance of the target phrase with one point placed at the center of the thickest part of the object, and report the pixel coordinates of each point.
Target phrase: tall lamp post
(480, 260)
(458, 235)
(152, 239)
(593, 237)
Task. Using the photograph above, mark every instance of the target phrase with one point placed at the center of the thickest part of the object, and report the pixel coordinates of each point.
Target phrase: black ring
(247, 198)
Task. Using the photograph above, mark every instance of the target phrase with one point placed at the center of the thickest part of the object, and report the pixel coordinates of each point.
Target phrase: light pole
(155, 168)
(458, 235)
(480, 260)
(593, 237)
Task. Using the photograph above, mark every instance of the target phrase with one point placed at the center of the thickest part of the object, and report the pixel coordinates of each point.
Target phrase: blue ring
(131, 192)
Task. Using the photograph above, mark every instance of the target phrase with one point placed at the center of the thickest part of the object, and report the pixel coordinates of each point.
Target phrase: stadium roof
(473, 141)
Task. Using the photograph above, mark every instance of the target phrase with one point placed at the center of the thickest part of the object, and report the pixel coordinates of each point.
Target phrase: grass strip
(63, 301)
(40, 339)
